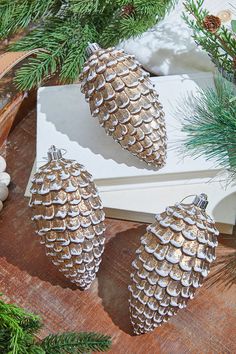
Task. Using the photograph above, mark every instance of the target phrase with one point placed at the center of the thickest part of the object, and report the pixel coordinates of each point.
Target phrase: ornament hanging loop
(54, 153)
(91, 48)
(201, 201)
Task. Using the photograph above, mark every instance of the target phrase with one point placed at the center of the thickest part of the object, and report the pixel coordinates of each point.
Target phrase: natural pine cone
(211, 23)
(69, 217)
(128, 10)
(171, 263)
(121, 95)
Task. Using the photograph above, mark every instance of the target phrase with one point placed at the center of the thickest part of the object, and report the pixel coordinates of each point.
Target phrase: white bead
(5, 178)
(3, 192)
(1, 205)
(3, 164)
(225, 15)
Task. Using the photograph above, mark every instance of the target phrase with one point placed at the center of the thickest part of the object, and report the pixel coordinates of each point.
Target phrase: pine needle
(209, 121)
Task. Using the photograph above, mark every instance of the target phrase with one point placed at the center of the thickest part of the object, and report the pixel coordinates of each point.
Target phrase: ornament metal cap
(92, 48)
(54, 153)
(201, 201)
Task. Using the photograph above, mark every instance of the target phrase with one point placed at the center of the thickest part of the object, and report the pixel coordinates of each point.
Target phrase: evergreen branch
(49, 36)
(125, 28)
(19, 14)
(95, 7)
(31, 74)
(65, 41)
(224, 36)
(66, 27)
(16, 328)
(210, 124)
(26, 320)
(72, 343)
(76, 56)
(220, 45)
(150, 7)
(145, 16)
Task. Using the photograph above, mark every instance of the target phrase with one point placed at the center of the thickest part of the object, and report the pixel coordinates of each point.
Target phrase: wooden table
(27, 277)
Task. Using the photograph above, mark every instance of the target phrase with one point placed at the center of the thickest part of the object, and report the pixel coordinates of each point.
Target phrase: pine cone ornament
(171, 263)
(69, 218)
(121, 95)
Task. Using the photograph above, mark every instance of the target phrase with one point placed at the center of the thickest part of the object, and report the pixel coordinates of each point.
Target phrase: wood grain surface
(207, 325)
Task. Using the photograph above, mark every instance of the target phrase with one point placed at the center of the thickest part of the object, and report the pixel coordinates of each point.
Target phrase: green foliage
(64, 41)
(221, 45)
(18, 329)
(210, 124)
(19, 14)
(122, 26)
(64, 28)
(72, 343)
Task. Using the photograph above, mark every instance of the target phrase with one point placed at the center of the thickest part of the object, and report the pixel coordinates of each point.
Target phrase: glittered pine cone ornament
(171, 263)
(69, 218)
(122, 96)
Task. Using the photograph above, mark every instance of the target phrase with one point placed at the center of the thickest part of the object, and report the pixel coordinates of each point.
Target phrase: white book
(129, 188)
(64, 120)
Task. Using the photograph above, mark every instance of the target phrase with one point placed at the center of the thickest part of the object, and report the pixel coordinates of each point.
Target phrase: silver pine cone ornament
(122, 96)
(69, 218)
(171, 263)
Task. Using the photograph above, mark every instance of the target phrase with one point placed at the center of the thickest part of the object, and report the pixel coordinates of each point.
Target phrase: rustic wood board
(27, 277)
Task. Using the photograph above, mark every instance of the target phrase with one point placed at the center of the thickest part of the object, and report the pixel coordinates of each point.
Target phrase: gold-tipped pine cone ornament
(69, 218)
(123, 98)
(171, 263)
